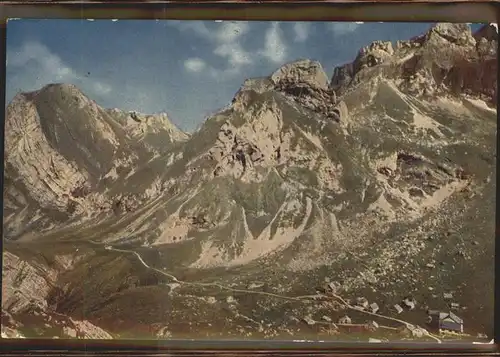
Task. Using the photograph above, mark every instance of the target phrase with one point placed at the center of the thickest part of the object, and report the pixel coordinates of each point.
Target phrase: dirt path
(408, 325)
(174, 278)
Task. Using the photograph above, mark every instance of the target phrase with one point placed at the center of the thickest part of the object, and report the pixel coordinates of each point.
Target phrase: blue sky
(185, 68)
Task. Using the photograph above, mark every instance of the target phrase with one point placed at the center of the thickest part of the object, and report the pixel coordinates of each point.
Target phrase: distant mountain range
(381, 179)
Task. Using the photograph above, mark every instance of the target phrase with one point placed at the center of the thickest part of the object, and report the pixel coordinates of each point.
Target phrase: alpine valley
(305, 209)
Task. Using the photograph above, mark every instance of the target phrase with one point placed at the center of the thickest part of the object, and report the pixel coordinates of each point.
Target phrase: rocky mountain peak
(375, 53)
(57, 91)
(377, 48)
(260, 84)
(305, 82)
(458, 34)
(61, 87)
(447, 59)
(139, 125)
(46, 94)
(307, 72)
(76, 150)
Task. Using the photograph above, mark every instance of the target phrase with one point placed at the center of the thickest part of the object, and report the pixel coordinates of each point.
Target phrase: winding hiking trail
(302, 298)
(223, 287)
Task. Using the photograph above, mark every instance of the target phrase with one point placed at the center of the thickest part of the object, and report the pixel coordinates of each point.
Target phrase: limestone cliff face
(25, 284)
(446, 59)
(26, 288)
(156, 131)
(302, 71)
(45, 172)
(63, 153)
(307, 83)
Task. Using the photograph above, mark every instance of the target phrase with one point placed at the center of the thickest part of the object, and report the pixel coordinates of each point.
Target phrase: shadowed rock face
(368, 180)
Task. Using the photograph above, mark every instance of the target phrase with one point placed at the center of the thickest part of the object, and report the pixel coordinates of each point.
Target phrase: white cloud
(275, 48)
(301, 30)
(102, 88)
(35, 53)
(234, 53)
(231, 31)
(228, 45)
(194, 64)
(226, 31)
(343, 28)
(32, 66)
(226, 40)
(197, 27)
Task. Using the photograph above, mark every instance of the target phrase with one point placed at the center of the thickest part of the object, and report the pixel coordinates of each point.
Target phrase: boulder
(309, 320)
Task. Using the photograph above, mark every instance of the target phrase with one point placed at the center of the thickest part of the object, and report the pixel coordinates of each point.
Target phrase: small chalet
(445, 321)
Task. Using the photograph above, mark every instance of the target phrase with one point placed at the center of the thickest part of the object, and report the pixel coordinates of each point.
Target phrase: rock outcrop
(258, 142)
(63, 153)
(157, 131)
(304, 72)
(306, 82)
(24, 285)
(26, 289)
(446, 59)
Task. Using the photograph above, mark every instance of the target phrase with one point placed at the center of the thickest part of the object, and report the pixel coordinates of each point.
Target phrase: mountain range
(377, 183)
